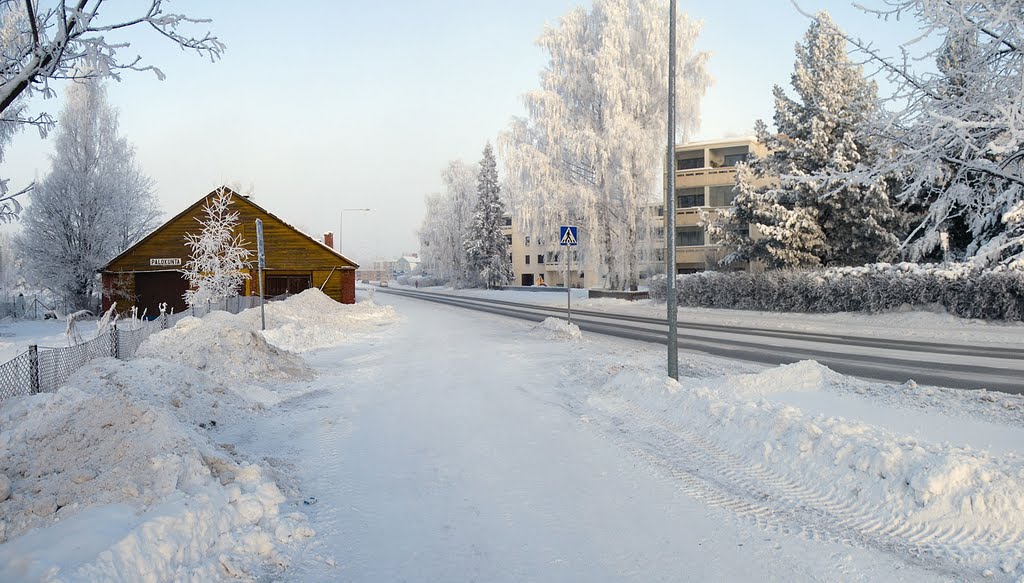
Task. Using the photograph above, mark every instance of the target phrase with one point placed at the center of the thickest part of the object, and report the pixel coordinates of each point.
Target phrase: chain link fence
(43, 369)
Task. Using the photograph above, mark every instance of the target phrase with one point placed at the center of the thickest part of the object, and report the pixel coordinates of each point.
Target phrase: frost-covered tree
(41, 41)
(956, 134)
(488, 256)
(95, 202)
(448, 216)
(9, 267)
(219, 260)
(805, 215)
(591, 150)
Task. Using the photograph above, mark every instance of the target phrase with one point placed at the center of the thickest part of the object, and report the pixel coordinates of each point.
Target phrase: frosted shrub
(963, 290)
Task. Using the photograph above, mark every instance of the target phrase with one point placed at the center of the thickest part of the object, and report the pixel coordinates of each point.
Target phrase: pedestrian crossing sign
(567, 236)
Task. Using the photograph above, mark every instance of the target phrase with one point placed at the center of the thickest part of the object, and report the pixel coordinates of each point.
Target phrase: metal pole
(670, 204)
(33, 369)
(568, 288)
(263, 315)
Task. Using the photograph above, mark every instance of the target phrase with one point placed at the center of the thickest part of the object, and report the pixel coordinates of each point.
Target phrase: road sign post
(567, 237)
(261, 264)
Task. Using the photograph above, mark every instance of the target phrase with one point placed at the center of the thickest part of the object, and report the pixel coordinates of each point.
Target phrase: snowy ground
(427, 443)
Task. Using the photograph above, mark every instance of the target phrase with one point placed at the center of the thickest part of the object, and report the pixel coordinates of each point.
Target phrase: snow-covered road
(460, 447)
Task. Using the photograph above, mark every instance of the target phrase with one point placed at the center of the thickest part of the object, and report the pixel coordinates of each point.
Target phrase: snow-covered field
(399, 440)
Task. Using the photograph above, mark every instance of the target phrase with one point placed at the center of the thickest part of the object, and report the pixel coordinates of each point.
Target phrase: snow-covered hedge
(964, 290)
(424, 280)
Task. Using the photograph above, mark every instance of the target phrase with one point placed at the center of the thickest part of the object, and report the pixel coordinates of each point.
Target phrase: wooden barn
(150, 272)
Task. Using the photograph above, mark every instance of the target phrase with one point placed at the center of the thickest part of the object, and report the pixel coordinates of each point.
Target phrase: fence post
(114, 348)
(33, 369)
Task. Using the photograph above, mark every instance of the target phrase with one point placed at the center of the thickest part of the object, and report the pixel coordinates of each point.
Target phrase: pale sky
(332, 105)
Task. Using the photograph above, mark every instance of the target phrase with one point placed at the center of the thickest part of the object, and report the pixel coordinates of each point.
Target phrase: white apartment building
(705, 177)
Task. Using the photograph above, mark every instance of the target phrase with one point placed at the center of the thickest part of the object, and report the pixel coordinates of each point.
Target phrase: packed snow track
(893, 360)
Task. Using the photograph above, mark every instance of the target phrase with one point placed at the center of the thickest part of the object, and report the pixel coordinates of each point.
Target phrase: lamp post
(670, 204)
(341, 223)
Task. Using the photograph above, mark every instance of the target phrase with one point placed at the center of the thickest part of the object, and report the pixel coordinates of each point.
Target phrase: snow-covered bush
(422, 280)
(963, 290)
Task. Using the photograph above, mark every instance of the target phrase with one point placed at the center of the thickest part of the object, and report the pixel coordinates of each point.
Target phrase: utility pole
(670, 204)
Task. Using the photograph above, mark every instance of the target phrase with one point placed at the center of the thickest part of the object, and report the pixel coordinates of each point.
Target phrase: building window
(527, 259)
(527, 241)
(721, 195)
(689, 197)
(508, 238)
(506, 221)
(661, 210)
(689, 236)
(733, 159)
(540, 260)
(689, 163)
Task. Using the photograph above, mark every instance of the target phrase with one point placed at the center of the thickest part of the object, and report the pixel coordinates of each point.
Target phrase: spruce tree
(803, 196)
(488, 257)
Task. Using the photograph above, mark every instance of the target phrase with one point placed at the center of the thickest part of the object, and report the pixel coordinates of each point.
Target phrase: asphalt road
(891, 360)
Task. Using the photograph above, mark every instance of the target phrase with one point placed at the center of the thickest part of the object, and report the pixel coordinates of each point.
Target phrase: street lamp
(671, 306)
(341, 223)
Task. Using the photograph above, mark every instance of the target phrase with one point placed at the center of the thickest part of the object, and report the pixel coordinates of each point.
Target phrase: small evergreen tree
(488, 257)
(219, 258)
(806, 214)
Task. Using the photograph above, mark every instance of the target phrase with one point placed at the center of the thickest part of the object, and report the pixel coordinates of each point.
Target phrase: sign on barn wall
(165, 261)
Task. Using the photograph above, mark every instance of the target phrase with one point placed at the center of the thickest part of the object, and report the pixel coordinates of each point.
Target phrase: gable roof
(236, 198)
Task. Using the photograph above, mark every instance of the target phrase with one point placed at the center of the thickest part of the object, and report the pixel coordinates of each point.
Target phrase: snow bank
(311, 320)
(227, 346)
(556, 328)
(121, 465)
(803, 376)
(865, 476)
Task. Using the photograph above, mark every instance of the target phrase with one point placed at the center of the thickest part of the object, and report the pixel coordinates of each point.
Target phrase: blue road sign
(567, 236)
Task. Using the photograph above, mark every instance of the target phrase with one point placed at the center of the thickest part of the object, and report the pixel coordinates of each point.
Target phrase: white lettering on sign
(165, 261)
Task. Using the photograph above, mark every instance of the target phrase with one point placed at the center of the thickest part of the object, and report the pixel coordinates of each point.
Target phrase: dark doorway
(287, 284)
(152, 289)
(527, 279)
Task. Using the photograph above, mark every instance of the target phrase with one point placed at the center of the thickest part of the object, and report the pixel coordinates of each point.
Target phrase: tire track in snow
(778, 503)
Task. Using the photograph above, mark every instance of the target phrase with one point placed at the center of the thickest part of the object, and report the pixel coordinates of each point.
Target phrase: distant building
(407, 264)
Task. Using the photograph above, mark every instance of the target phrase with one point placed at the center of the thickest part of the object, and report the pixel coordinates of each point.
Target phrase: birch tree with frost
(42, 41)
(94, 203)
(447, 219)
(591, 149)
(220, 259)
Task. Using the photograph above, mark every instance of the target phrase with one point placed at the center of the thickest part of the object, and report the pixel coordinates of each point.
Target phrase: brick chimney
(329, 239)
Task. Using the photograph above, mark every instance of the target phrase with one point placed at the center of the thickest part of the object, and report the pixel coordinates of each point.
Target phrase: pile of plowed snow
(558, 329)
(121, 464)
(227, 346)
(124, 466)
(864, 476)
(311, 320)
